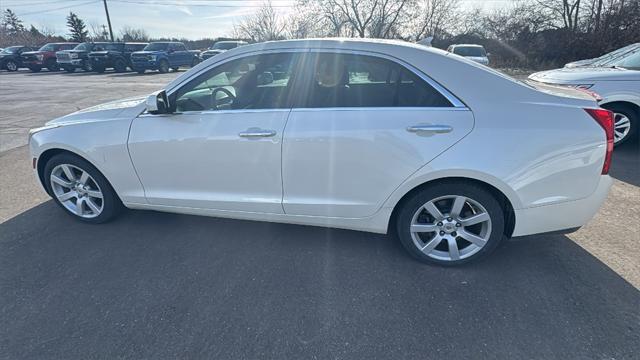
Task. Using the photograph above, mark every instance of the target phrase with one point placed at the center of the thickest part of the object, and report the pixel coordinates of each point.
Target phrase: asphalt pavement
(152, 285)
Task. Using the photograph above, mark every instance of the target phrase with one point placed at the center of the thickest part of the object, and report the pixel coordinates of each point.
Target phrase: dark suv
(78, 57)
(11, 57)
(45, 56)
(114, 55)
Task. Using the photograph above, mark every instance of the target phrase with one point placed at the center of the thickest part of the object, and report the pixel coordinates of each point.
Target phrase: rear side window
(347, 80)
(178, 47)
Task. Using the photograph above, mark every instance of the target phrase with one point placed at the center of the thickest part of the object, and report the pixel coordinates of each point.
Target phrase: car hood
(147, 52)
(37, 52)
(102, 52)
(580, 74)
(118, 109)
(213, 51)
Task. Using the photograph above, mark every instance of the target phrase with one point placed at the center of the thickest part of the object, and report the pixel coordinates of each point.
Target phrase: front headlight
(152, 57)
(73, 55)
(40, 57)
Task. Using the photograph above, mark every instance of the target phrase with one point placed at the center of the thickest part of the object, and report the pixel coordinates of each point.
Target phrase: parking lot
(154, 285)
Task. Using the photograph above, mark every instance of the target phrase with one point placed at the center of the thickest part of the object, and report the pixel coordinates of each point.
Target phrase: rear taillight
(605, 119)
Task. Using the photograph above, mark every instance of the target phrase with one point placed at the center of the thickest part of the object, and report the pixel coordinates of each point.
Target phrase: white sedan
(378, 136)
(615, 80)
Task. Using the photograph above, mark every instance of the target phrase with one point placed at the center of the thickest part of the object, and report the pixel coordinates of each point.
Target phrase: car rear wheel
(450, 223)
(164, 66)
(120, 66)
(625, 122)
(99, 69)
(88, 66)
(11, 65)
(176, 68)
(69, 69)
(80, 189)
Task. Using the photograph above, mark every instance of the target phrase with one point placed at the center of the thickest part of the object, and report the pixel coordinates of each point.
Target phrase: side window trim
(454, 100)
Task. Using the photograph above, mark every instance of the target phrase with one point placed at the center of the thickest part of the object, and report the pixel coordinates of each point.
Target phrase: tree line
(523, 33)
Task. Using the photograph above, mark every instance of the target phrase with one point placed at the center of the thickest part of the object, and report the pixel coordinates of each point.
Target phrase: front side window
(156, 47)
(346, 80)
(253, 82)
(84, 47)
(47, 47)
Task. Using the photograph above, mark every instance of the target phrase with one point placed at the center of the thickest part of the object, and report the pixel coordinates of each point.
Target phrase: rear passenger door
(364, 123)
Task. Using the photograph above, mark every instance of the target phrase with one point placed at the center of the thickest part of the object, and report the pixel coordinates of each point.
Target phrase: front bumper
(78, 63)
(562, 216)
(145, 64)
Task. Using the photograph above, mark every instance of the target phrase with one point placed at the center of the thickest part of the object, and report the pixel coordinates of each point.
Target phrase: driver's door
(221, 148)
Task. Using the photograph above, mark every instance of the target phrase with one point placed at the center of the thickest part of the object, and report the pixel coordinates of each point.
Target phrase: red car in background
(45, 56)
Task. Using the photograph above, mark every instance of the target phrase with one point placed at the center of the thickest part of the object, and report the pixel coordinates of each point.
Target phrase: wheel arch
(505, 201)
(622, 102)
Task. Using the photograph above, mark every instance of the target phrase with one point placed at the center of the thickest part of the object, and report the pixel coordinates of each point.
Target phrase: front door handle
(432, 129)
(257, 133)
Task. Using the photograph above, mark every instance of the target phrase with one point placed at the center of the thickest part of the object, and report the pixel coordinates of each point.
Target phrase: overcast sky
(192, 19)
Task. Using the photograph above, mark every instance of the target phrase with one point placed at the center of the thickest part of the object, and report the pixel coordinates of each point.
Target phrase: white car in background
(615, 81)
(473, 52)
(604, 58)
(340, 133)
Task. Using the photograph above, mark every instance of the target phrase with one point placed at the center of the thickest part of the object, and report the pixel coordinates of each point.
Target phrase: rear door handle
(257, 133)
(432, 129)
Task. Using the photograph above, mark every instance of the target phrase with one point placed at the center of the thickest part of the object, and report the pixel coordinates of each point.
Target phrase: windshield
(108, 47)
(619, 56)
(156, 47)
(84, 47)
(224, 45)
(630, 60)
(47, 47)
(469, 51)
(11, 50)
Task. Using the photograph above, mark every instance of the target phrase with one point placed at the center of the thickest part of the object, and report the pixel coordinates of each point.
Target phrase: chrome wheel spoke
(475, 219)
(432, 209)
(454, 252)
(92, 205)
(62, 182)
(66, 196)
(458, 204)
(421, 228)
(68, 172)
(84, 177)
(94, 194)
(79, 209)
(621, 127)
(431, 244)
(474, 239)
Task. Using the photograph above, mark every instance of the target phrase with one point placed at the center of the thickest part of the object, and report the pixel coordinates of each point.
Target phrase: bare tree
(265, 25)
(567, 10)
(129, 33)
(433, 16)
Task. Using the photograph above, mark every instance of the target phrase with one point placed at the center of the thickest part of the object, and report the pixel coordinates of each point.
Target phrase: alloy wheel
(622, 126)
(450, 228)
(77, 191)
(11, 66)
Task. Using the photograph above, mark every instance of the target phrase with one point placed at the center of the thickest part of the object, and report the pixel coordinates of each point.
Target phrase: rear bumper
(561, 216)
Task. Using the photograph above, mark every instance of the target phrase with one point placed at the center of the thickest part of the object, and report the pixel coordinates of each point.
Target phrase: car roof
(467, 45)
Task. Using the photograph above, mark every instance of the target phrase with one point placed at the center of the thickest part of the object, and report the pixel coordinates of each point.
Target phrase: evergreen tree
(77, 28)
(11, 23)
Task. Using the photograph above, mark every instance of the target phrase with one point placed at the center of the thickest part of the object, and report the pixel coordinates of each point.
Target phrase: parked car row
(100, 56)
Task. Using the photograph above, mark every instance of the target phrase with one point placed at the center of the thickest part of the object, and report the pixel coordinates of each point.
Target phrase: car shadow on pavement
(625, 165)
(155, 285)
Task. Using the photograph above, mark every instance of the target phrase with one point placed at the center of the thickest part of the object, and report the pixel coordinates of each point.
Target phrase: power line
(58, 8)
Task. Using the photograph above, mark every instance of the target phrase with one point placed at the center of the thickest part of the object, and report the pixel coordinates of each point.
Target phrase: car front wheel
(163, 67)
(80, 189)
(11, 66)
(450, 223)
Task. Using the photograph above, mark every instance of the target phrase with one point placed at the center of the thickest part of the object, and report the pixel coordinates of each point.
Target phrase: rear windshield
(469, 51)
(629, 61)
(156, 47)
(11, 50)
(84, 47)
(224, 45)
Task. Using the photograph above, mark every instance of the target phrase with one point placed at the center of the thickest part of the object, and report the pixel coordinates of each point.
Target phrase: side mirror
(488, 54)
(265, 78)
(158, 103)
(170, 51)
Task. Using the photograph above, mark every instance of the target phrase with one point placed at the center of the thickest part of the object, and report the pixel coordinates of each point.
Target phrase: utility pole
(106, 10)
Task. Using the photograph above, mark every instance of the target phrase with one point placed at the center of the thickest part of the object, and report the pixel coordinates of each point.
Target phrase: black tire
(35, 69)
(87, 66)
(70, 69)
(195, 62)
(112, 205)
(11, 65)
(410, 206)
(52, 65)
(120, 66)
(176, 69)
(99, 69)
(163, 68)
(140, 71)
(631, 114)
